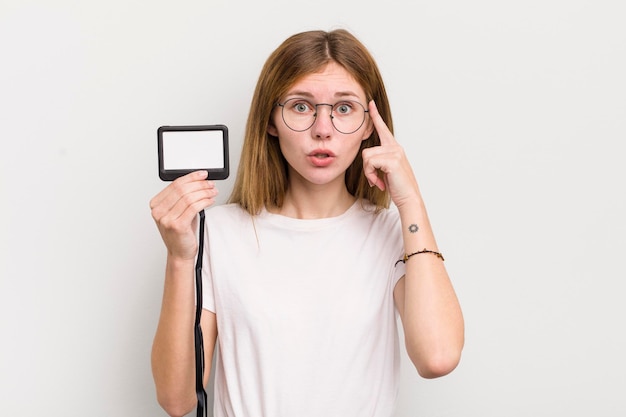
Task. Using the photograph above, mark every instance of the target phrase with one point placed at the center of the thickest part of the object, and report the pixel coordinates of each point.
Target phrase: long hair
(262, 177)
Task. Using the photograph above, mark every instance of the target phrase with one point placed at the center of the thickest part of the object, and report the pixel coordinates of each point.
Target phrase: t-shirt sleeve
(208, 296)
(398, 270)
(397, 245)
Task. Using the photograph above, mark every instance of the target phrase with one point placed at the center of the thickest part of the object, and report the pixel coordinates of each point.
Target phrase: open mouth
(321, 157)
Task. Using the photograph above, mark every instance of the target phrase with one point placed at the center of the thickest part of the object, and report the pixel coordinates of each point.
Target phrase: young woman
(309, 265)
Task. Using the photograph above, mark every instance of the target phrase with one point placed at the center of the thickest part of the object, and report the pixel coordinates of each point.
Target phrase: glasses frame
(332, 108)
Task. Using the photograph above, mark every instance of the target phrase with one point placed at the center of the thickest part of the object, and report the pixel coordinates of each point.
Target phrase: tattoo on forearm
(413, 228)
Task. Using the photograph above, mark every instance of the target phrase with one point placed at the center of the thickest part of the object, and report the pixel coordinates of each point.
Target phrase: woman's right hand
(175, 211)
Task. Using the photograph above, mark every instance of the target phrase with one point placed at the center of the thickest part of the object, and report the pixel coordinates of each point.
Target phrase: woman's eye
(343, 108)
(301, 107)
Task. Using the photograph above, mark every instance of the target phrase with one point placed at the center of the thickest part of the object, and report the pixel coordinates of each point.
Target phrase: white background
(513, 114)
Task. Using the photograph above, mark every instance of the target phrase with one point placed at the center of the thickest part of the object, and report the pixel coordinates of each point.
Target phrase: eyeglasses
(347, 116)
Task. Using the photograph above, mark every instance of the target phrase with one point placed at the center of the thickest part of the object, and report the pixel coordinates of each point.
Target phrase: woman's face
(321, 154)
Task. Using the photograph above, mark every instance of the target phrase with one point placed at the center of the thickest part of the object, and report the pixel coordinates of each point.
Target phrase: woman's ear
(369, 129)
(271, 129)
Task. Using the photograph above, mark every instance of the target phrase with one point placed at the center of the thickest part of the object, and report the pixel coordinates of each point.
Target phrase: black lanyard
(198, 340)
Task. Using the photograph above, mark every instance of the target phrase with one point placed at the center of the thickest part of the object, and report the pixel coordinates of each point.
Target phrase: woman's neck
(315, 202)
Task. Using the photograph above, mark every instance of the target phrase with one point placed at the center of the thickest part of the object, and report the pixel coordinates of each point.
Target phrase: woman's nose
(323, 125)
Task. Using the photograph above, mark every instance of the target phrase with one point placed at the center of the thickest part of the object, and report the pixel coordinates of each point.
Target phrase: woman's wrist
(416, 230)
(178, 263)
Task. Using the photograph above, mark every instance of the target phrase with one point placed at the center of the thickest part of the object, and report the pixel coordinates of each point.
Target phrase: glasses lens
(348, 116)
(299, 115)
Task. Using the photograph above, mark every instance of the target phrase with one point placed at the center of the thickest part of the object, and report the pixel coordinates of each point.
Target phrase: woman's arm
(173, 354)
(429, 309)
(175, 211)
(430, 312)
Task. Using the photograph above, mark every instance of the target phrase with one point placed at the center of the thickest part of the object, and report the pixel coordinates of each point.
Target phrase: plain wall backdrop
(511, 112)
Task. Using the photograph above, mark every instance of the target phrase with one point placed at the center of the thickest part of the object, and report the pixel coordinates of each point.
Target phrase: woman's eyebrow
(309, 95)
(342, 94)
(299, 93)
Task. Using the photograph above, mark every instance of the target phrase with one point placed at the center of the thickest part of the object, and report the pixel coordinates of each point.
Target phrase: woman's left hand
(391, 160)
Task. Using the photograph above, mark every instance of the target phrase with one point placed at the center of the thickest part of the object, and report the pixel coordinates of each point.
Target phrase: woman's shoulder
(225, 212)
(385, 218)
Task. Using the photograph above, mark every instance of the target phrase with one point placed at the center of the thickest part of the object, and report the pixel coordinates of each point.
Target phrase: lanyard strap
(198, 339)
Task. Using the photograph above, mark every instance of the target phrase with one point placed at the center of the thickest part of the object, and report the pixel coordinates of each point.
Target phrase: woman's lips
(321, 157)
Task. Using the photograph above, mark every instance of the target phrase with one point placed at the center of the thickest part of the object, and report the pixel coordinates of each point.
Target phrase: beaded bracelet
(407, 256)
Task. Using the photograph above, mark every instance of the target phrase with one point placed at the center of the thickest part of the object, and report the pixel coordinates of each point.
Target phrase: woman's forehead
(332, 81)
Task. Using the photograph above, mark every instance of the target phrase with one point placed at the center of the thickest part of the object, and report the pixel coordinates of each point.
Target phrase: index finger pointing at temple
(385, 135)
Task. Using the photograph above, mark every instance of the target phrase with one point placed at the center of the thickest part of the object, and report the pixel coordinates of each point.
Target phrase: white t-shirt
(305, 312)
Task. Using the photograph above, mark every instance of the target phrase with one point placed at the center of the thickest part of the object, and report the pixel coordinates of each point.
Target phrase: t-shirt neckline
(307, 224)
